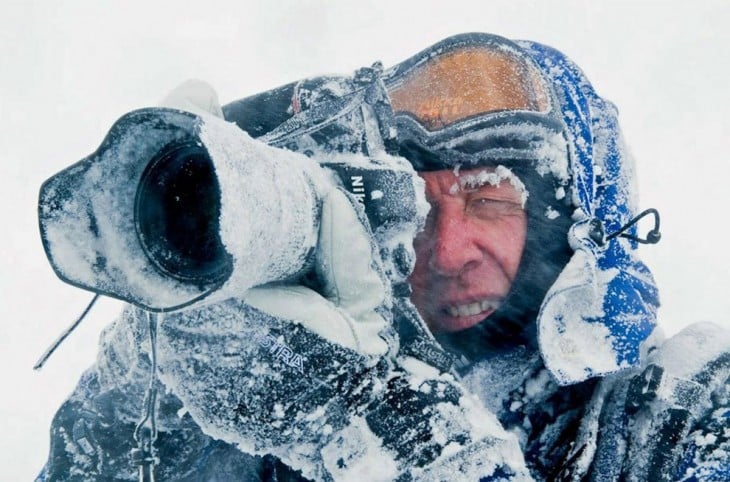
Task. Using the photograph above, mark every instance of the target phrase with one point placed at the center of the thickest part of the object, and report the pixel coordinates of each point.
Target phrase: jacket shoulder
(679, 407)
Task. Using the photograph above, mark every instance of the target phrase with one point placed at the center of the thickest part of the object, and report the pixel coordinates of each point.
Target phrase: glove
(311, 372)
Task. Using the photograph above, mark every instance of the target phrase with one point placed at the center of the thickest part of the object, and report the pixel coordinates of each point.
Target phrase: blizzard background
(68, 70)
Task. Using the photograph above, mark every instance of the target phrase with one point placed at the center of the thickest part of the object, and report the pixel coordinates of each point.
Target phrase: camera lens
(177, 211)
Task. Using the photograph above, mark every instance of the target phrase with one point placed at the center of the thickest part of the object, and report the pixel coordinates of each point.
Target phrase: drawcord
(145, 433)
(47, 354)
(597, 233)
(652, 237)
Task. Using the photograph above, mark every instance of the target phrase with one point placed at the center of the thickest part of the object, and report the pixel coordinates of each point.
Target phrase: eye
(489, 209)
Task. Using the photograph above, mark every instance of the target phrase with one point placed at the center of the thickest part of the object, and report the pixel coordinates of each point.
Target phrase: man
(521, 272)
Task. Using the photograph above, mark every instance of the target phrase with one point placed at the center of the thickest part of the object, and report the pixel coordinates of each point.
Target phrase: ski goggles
(474, 99)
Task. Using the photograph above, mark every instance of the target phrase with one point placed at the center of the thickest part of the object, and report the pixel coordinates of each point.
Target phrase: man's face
(470, 249)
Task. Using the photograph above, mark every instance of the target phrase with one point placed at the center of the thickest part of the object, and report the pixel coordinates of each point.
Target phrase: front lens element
(177, 211)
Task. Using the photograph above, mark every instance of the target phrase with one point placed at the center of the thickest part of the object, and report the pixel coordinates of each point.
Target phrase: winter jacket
(666, 420)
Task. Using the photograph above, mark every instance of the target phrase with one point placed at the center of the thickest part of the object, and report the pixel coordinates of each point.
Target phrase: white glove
(345, 259)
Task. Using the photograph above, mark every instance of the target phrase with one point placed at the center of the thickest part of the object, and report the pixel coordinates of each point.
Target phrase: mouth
(457, 317)
(471, 309)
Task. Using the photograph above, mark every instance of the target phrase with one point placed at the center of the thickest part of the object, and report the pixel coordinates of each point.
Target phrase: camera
(174, 208)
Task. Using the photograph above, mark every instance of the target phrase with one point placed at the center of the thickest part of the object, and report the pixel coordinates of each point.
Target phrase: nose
(455, 249)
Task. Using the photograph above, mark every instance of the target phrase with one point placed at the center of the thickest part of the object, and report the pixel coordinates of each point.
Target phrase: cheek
(516, 234)
(504, 241)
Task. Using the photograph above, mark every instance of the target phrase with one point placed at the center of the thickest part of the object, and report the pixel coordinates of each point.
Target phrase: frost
(551, 213)
(357, 454)
(493, 177)
(269, 202)
(573, 345)
(547, 148)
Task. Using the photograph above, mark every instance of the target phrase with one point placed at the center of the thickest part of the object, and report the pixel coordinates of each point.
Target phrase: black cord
(652, 237)
(42, 360)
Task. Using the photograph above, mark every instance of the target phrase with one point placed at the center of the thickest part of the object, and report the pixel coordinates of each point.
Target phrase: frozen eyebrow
(492, 177)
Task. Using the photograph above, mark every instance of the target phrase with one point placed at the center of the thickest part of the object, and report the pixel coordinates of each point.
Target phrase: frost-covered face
(470, 249)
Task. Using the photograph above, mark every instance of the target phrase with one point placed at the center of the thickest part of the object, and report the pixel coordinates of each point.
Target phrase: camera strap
(338, 114)
(145, 433)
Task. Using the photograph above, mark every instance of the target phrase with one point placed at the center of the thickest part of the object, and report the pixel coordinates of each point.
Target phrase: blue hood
(603, 305)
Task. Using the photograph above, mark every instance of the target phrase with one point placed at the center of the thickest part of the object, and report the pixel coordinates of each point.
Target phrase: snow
(572, 346)
(492, 177)
(707, 339)
(368, 460)
(99, 216)
(551, 213)
(269, 205)
(59, 97)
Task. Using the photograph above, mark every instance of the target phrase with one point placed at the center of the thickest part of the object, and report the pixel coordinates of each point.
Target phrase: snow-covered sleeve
(235, 382)
(678, 409)
(706, 447)
(666, 421)
(270, 386)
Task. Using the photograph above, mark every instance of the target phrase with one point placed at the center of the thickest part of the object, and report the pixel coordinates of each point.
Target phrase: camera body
(174, 209)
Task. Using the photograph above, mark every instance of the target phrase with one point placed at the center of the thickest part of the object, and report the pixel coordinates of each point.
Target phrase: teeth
(472, 308)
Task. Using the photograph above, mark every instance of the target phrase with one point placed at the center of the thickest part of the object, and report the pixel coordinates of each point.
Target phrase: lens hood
(110, 223)
(173, 207)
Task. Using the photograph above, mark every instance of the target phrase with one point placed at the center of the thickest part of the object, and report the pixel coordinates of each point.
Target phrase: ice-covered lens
(466, 83)
(177, 212)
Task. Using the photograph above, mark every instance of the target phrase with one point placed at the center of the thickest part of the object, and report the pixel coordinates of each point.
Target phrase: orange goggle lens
(469, 82)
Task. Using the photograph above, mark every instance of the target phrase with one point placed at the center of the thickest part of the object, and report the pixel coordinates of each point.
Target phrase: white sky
(69, 69)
